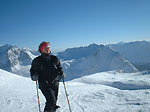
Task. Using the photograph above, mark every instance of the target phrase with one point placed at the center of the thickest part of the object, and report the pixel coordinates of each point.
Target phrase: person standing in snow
(47, 69)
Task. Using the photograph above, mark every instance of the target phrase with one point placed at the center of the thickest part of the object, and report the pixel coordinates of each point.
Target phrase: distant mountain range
(138, 53)
(80, 61)
(92, 59)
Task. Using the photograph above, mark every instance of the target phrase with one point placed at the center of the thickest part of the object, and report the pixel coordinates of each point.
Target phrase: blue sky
(73, 23)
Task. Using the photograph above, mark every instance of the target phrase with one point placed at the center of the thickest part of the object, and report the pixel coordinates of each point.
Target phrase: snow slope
(101, 92)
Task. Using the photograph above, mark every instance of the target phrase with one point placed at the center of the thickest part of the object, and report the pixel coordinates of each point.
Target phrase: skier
(47, 69)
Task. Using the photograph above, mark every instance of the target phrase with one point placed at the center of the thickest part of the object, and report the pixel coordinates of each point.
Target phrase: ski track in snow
(71, 100)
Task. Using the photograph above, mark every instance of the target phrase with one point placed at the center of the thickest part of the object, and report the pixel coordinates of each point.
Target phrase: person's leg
(56, 92)
(56, 89)
(50, 98)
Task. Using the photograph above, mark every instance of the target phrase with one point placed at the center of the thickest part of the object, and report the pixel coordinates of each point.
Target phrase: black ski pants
(51, 94)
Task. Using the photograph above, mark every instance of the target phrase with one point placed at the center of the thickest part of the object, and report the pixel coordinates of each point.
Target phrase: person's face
(46, 50)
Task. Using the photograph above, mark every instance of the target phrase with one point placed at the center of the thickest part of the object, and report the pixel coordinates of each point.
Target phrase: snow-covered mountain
(101, 92)
(138, 53)
(8, 56)
(16, 60)
(76, 62)
(92, 59)
(78, 52)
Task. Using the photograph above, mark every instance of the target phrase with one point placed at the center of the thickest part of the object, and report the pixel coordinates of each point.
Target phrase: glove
(34, 77)
(57, 79)
(55, 82)
(63, 76)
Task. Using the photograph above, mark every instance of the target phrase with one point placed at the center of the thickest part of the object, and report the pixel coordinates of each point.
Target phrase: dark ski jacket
(48, 68)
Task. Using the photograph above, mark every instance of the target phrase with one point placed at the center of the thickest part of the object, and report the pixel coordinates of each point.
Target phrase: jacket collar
(46, 56)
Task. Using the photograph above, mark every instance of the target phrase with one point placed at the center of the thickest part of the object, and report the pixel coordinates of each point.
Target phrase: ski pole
(37, 86)
(66, 94)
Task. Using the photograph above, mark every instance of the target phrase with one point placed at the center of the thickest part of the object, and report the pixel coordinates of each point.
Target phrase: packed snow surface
(101, 92)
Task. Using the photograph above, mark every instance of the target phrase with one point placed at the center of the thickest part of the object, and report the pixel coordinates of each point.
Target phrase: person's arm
(34, 70)
(59, 68)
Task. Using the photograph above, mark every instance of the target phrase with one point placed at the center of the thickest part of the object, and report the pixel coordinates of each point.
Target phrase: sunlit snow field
(101, 92)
